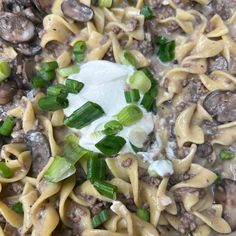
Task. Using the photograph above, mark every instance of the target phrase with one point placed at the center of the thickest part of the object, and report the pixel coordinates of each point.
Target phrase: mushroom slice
(44, 6)
(224, 194)
(221, 105)
(77, 11)
(15, 28)
(7, 91)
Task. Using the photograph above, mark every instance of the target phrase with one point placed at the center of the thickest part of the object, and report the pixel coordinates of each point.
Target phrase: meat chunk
(38, 143)
(221, 105)
(15, 28)
(187, 222)
(217, 63)
(181, 192)
(204, 150)
(224, 194)
(77, 11)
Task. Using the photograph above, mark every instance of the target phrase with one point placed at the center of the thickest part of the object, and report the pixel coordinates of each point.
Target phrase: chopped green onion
(105, 3)
(49, 66)
(96, 169)
(47, 75)
(53, 103)
(5, 70)
(38, 82)
(85, 115)
(129, 115)
(100, 218)
(79, 51)
(106, 189)
(218, 179)
(166, 50)
(17, 207)
(226, 154)
(132, 96)
(71, 150)
(131, 1)
(5, 171)
(7, 126)
(148, 102)
(112, 127)
(58, 89)
(147, 12)
(140, 81)
(70, 70)
(74, 86)
(110, 144)
(59, 169)
(136, 149)
(127, 58)
(143, 214)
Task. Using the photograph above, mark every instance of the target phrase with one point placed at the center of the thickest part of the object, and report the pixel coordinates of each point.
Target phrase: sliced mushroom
(77, 11)
(28, 72)
(224, 194)
(44, 6)
(29, 50)
(221, 105)
(204, 150)
(38, 143)
(7, 91)
(15, 28)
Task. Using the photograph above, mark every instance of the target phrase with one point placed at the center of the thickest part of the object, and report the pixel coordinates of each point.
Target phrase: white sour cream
(161, 168)
(104, 84)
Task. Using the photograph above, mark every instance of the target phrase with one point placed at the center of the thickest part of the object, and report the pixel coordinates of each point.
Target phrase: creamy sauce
(105, 83)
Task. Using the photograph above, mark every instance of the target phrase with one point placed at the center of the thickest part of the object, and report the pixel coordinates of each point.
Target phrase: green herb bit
(7, 126)
(5, 70)
(106, 189)
(127, 58)
(17, 207)
(49, 66)
(73, 86)
(226, 154)
(112, 127)
(56, 90)
(53, 103)
(143, 214)
(147, 12)
(70, 70)
(5, 171)
(100, 218)
(105, 3)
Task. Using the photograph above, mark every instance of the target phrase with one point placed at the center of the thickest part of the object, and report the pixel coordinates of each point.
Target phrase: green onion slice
(85, 115)
(58, 89)
(100, 218)
(53, 103)
(110, 144)
(49, 66)
(226, 154)
(5, 70)
(38, 82)
(96, 168)
(147, 12)
(73, 86)
(129, 115)
(132, 96)
(70, 70)
(17, 207)
(47, 75)
(79, 51)
(143, 214)
(112, 127)
(5, 171)
(59, 169)
(127, 58)
(106, 189)
(166, 51)
(105, 3)
(140, 81)
(7, 126)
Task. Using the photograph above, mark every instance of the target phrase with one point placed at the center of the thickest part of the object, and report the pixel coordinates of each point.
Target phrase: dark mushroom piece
(15, 28)
(29, 50)
(28, 72)
(77, 11)
(44, 6)
(38, 143)
(224, 194)
(221, 105)
(204, 150)
(8, 89)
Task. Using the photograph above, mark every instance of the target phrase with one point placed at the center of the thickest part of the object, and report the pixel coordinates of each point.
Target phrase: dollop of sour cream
(105, 83)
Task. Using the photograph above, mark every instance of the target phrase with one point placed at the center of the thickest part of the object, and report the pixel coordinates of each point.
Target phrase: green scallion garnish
(147, 12)
(106, 189)
(110, 144)
(129, 115)
(132, 96)
(17, 207)
(143, 214)
(70, 70)
(100, 218)
(226, 154)
(73, 86)
(140, 81)
(7, 126)
(127, 58)
(96, 169)
(105, 3)
(85, 115)
(56, 90)
(5, 70)
(5, 171)
(38, 82)
(47, 75)
(53, 103)
(112, 127)
(59, 169)
(49, 66)
(79, 51)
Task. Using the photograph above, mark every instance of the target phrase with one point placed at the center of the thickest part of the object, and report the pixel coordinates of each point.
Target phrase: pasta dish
(117, 117)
